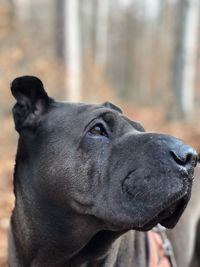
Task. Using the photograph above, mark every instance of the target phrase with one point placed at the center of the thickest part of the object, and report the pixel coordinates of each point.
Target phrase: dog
(89, 182)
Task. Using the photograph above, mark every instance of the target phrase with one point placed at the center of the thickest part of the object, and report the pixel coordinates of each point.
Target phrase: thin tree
(190, 54)
(102, 33)
(72, 50)
(59, 28)
(184, 64)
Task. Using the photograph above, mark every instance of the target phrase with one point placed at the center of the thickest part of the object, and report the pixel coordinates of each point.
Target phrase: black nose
(185, 156)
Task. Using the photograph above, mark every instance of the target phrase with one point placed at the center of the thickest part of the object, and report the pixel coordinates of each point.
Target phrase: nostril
(180, 159)
(185, 158)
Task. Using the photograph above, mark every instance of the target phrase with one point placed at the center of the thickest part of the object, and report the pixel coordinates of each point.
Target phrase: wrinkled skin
(85, 175)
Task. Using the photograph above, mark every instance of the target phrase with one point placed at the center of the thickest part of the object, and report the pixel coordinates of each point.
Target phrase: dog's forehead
(78, 112)
(75, 116)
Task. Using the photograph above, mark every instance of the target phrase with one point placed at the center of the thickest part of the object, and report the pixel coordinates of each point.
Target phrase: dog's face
(97, 162)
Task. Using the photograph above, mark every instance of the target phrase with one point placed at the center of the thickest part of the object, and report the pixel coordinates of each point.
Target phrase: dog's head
(96, 162)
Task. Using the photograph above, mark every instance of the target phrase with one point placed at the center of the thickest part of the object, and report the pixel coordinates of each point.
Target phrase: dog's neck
(45, 234)
(68, 243)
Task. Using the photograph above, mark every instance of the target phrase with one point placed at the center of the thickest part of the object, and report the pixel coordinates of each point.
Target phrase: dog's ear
(112, 106)
(32, 101)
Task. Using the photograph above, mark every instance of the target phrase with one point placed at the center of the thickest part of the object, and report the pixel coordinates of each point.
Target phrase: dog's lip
(169, 216)
(169, 213)
(176, 211)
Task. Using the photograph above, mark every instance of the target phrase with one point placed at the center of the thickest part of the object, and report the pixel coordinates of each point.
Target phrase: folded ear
(112, 106)
(32, 101)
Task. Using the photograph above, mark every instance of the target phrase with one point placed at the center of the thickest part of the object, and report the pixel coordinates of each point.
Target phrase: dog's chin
(175, 213)
(169, 216)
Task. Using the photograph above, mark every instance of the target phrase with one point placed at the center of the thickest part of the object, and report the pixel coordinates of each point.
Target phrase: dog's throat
(97, 248)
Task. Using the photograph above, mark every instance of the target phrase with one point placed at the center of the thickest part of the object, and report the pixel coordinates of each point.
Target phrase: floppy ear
(32, 101)
(112, 106)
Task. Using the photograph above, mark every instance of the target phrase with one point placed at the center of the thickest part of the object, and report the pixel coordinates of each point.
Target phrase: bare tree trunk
(102, 33)
(59, 28)
(72, 50)
(23, 8)
(190, 54)
(184, 59)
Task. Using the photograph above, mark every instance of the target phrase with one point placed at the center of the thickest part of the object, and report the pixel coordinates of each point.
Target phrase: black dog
(85, 175)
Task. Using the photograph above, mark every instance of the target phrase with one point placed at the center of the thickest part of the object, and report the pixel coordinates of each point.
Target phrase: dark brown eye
(98, 130)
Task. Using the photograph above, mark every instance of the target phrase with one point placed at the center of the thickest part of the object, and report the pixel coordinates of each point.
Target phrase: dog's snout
(185, 156)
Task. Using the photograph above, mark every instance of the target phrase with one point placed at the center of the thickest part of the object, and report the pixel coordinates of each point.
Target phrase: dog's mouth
(168, 211)
(170, 215)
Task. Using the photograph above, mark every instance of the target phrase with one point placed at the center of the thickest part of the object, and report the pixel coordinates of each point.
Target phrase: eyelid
(95, 121)
(98, 121)
(100, 117)
(101, 133)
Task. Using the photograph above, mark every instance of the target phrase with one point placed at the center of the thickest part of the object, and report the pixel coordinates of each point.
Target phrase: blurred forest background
(143, 55)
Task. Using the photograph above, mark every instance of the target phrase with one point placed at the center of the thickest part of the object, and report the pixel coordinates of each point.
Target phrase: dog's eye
(98, 130)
